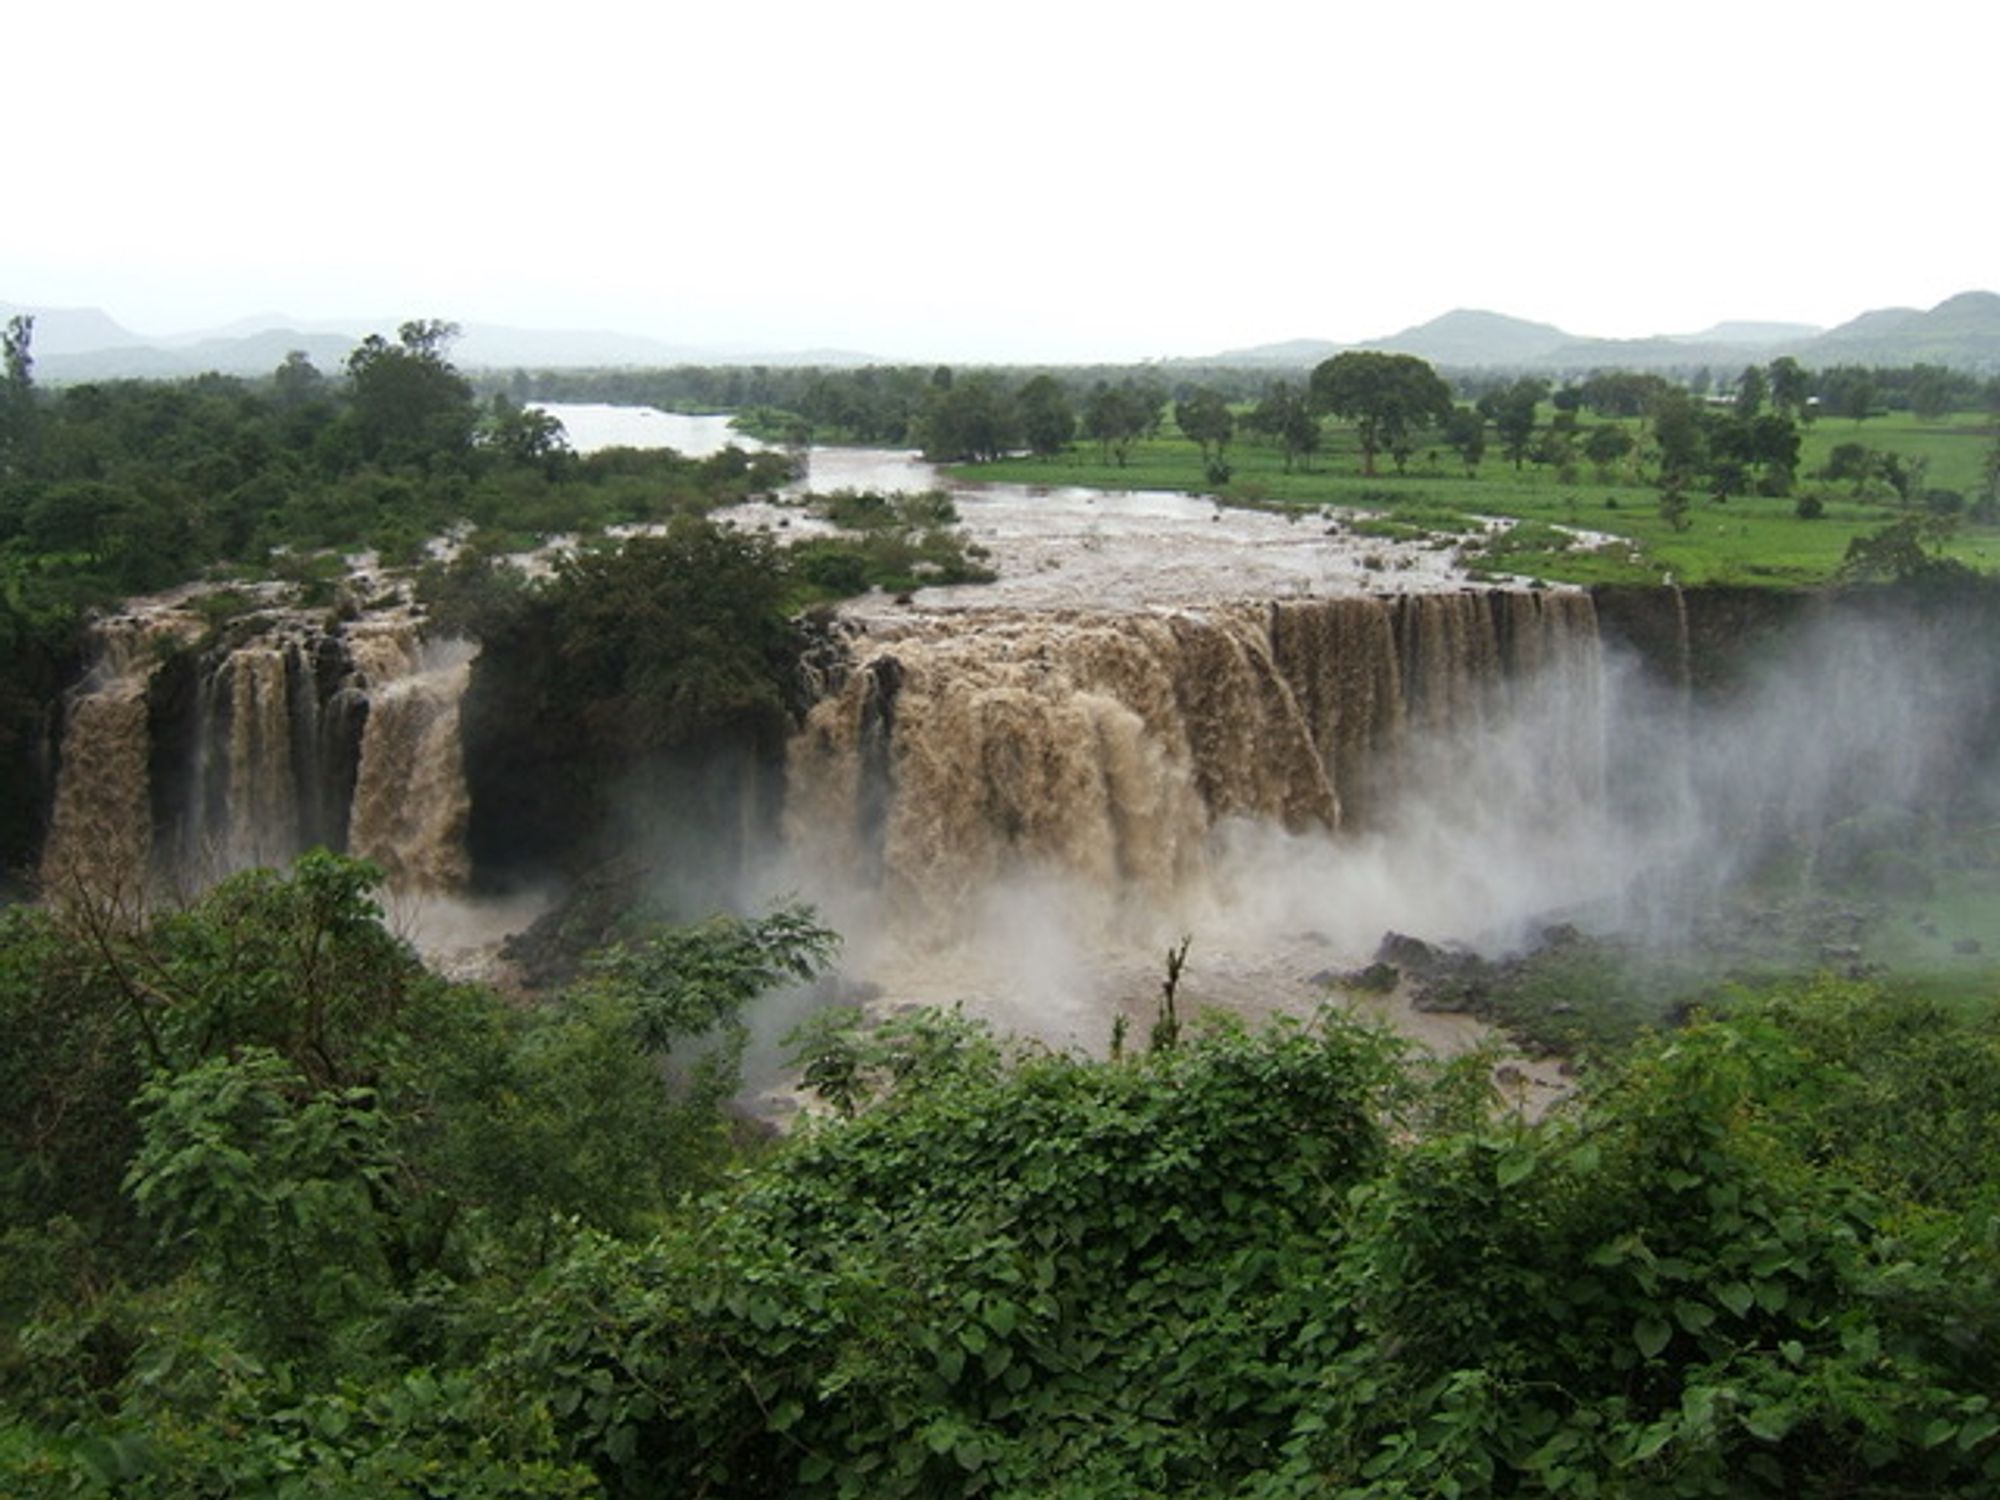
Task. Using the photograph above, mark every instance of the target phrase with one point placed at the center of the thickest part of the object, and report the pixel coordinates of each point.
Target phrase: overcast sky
(1063, 181)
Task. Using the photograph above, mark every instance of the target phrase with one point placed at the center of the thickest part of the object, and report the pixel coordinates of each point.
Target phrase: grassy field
(1744, 540)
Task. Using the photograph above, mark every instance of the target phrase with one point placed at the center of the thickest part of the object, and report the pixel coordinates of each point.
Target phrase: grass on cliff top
(1750, 540)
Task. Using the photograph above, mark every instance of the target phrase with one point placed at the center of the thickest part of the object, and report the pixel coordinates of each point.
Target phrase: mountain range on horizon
(77, 344)
(73, 344)
(1962, 331)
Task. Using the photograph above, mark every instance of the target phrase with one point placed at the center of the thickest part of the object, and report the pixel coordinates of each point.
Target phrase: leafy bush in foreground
(384, 1236)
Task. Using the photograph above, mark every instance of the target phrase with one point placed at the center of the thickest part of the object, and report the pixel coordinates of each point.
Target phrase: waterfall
(100, 831)
(179, 766)
(263, 811)
(1108, 748)
(410, 800)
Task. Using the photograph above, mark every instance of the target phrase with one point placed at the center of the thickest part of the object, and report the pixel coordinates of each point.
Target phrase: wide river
(1061, 546)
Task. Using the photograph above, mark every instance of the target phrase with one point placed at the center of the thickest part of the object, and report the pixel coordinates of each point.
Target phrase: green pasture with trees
(1764, 476)
(1625, 479)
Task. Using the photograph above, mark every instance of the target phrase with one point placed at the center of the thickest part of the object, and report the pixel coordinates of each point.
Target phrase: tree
(1774, 447)
(408, 405)
(1989, 473)
(1117, 416)
(1912, 550)
(1790, 388)
(1932, 390)
(297, 382)
(1387, 397)
(1204, 415)
(1621, 393)
(1850, 391)
(1284, 413)
(17, 392)
(972, 419)
(1605, 445)
(1751, 391)
(1465, 431)
(527, 436)
(1674, 507)
(1511, 409)
(661, 673)
(1677, 434)
(1047, 423)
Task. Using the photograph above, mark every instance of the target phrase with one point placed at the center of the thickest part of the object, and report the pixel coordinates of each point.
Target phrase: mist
(1593, 789)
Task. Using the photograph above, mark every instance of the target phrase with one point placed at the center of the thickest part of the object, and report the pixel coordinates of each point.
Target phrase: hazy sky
(1068, 181)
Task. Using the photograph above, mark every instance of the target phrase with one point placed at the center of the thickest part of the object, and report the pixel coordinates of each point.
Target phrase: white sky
(1025, 179)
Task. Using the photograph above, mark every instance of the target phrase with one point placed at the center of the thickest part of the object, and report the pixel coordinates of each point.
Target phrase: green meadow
(1745, 539)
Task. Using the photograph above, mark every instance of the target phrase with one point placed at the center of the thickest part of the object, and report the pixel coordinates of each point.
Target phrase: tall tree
(297, 382)
(1387, 397)
(1117, 416)
(1205, 416)
(1511, 409)
(1465, 430)
(1931, 391)
(1790, 388)
(971, 419)
(1284, 413)
(408, 405)
(17, 392)
(1850, 391)
(1621, 393)
(1047, 423)
(1677, 432)
(1751, 391)
(1605, 445)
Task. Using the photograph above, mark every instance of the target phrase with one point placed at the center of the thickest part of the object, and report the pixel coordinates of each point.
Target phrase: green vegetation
(108, 490)
(282, 1213)
(896, 543)
(1707, 486)
(1741, 538)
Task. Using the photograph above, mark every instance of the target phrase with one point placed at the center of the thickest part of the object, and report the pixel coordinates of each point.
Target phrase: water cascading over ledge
(100, 837)
(1107, 748)
(179, 765)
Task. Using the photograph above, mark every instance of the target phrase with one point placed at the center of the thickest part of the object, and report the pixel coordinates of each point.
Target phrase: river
(1061, 546)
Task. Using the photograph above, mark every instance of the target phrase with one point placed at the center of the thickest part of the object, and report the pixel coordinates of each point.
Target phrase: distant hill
(1664, 352)
(492, 346)
(75, 344)
(71, 330)
(1962, 331)
(1291, 354)
(1468, 337)
(1881, 323)
(1751, 333)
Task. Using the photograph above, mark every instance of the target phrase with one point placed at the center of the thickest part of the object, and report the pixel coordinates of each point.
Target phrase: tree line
(1733, 436)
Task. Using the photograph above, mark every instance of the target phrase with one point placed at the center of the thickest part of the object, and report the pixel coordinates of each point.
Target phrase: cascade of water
(410, 800)
(291, 736)
(100, 833)
(263, 811)
(1339, 656)
(1107, 748)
